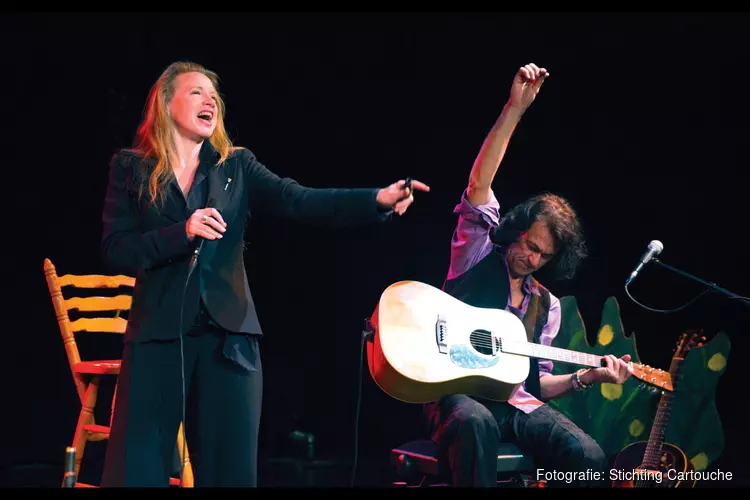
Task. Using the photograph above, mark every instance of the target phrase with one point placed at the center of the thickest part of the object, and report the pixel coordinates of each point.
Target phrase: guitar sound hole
(481, 340)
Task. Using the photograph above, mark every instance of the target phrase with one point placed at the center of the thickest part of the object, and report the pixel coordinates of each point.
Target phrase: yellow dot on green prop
(700, 461)
(606, 335)
(635, 428)
(611, 391)
(717, 362)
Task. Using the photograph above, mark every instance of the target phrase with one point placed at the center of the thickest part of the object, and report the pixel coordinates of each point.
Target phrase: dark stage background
(642, 125)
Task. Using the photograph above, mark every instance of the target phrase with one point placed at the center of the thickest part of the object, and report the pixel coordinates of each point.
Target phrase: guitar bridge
(441, 333)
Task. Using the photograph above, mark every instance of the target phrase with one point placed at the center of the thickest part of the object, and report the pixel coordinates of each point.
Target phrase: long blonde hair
(154, 138)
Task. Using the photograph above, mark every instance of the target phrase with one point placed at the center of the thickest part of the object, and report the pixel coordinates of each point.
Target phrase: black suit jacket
(149, 241)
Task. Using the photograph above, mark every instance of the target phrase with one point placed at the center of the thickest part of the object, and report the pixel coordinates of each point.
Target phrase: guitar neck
(652, 455)
(533, 350)
(657, 378)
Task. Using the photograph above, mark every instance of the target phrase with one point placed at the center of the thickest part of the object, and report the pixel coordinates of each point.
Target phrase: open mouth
(206, 117)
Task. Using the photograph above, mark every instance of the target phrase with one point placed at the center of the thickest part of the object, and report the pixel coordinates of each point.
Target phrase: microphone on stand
(654, 249)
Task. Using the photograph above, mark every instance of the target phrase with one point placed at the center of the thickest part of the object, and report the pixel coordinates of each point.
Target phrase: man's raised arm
(525, 87)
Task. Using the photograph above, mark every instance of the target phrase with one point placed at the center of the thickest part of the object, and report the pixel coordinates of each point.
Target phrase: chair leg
(187, 469)
(85, 417)
(112, 407)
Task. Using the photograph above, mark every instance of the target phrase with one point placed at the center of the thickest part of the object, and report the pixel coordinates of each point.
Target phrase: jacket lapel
(217, 182)
(218, 195)
(174, 205)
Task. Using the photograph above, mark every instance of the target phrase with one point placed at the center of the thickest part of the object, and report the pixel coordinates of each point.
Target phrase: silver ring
(204, 218)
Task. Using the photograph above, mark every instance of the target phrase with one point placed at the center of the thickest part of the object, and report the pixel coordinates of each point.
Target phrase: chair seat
(425, 456)
(104, 367)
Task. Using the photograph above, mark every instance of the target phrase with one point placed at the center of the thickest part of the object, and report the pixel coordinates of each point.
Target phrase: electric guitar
(654, 463)
(427, 344)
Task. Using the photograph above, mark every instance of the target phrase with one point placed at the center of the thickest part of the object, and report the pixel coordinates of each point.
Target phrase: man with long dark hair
(493, 260)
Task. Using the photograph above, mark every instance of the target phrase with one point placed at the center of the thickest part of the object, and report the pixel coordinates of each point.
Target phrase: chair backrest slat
(110, 325)
(89, 304)
(95, 281)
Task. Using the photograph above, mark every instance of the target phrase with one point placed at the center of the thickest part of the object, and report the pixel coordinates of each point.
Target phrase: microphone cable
(667, 310)
(367, 334)
(193, 261)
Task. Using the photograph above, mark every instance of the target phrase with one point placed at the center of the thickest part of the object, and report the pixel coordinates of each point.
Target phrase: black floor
(282, 472)
(273, 472)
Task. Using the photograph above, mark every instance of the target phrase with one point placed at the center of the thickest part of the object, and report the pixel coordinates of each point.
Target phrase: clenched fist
(526, 85)
(205, 222)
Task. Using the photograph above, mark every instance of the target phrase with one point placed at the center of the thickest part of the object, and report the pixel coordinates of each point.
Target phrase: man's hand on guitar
(617, 371)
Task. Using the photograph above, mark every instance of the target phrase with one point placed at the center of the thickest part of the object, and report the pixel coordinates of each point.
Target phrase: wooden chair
(87, 374)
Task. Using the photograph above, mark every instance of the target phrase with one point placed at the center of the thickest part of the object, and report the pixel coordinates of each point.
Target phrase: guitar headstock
(653, 376)
(665, 379)
(688, 340)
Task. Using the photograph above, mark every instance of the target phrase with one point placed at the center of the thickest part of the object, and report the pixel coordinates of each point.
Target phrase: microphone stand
(744, 300)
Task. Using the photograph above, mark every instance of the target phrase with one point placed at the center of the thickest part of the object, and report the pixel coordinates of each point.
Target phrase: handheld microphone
(194, 259)
(654, 248)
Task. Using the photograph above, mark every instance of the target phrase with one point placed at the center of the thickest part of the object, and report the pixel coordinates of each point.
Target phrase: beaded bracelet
(578, 384)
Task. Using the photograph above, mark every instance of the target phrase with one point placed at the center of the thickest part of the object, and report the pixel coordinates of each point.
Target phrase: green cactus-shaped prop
(617, 415)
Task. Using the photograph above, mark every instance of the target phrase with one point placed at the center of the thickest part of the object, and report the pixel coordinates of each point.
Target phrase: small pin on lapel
(227, 184)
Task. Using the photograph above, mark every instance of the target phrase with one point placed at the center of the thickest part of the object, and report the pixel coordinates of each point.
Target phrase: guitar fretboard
(652, 455)
(553, 353)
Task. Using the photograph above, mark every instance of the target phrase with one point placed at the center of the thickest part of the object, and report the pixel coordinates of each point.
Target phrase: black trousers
(471, 431)
(222, 414)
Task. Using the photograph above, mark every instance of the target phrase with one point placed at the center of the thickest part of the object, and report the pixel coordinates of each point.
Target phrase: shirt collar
(208, 154)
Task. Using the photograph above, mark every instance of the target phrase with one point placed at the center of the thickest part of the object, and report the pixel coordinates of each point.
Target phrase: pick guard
(466, 357)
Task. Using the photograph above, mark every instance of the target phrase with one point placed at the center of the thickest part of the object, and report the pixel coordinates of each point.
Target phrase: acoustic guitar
(427, 344)
(655, 463)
